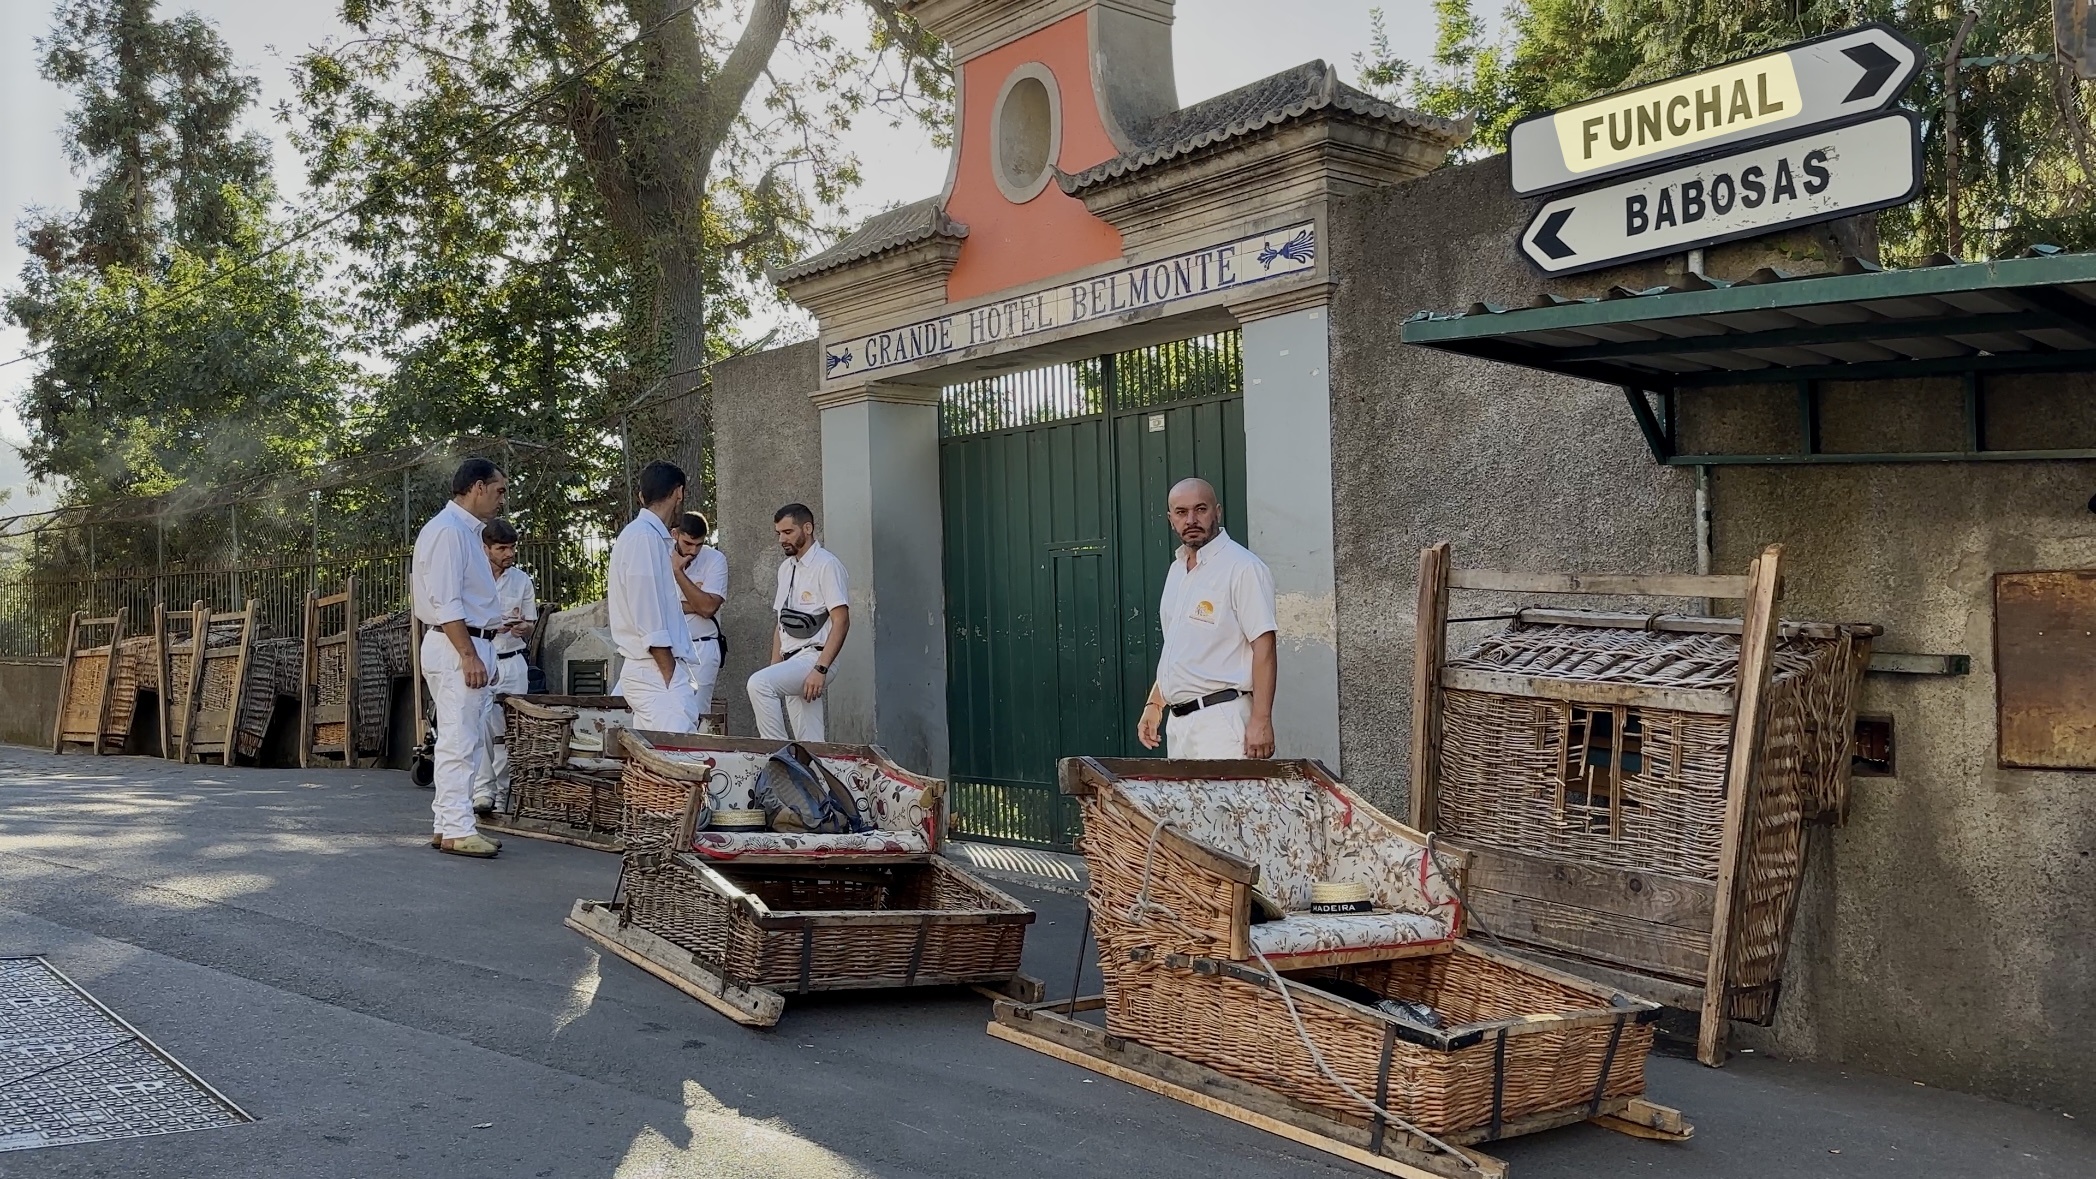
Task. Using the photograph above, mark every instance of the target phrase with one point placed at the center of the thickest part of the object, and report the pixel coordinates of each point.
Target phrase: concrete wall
(767, 453)
(29, 702)
(1947, 933)
(1288, 480)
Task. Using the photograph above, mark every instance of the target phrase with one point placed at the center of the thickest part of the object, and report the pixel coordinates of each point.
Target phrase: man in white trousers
(517, 601)
(454, 591)
(1215, 675)
(813, 620)
(702, 581)
(647, 611)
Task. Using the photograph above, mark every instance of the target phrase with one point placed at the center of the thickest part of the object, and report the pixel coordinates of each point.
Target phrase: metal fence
(35, 608)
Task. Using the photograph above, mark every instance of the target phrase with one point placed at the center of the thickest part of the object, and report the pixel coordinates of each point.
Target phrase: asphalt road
(387, 1011)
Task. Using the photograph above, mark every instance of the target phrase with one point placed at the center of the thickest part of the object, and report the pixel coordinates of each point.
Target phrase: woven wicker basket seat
(1174, 850)
(559, 774)
(764, 918)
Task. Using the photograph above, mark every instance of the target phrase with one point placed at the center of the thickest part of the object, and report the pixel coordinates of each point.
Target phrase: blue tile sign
(1210, 270)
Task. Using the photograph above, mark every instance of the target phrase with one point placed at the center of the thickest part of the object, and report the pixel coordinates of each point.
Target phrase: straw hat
(1339, 896)
(737, 820)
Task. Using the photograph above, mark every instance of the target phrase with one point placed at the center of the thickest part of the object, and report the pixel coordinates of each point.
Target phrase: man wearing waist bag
(454, 596)
(1215, 676)
(702, 581)
(813, 621)
(518, 601)
(647, 611)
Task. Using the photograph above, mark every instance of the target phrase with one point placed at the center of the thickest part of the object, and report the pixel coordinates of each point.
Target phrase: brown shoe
(477, 846)
(437, 841)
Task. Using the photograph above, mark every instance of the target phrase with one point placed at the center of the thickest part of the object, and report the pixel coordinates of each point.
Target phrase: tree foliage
(175, 348)
(2025, 129)
(559, 207)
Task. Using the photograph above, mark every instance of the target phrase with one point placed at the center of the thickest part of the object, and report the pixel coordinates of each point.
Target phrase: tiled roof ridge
(901, 226)
(1271, 100)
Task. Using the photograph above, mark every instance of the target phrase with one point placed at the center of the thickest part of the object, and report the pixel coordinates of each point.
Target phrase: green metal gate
(1054, 484)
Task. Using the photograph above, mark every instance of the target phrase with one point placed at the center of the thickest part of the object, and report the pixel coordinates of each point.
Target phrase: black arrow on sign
(1877, 64)
(1547, 240)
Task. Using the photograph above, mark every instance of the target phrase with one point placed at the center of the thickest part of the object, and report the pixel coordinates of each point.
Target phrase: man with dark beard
(1216, 673)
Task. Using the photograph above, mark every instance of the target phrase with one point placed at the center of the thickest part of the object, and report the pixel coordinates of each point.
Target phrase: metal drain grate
(71, 1071)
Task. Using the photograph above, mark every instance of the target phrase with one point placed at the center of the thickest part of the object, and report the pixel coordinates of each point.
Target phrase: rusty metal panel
(2045, 668)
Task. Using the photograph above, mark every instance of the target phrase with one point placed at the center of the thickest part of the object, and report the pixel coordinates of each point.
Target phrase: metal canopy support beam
(1831, 333)
(1656, 436)
(1894, 456)
(1808, 416)
(1975, 414)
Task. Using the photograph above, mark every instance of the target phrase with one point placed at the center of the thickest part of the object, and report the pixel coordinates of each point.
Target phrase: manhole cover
(71, 1071)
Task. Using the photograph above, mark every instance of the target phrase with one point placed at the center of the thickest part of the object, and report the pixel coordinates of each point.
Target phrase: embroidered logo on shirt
(1204, 611)
(807, 595)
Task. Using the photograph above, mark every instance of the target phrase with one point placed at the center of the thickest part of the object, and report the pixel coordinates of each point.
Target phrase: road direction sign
(1829, 172)
(1826, 80)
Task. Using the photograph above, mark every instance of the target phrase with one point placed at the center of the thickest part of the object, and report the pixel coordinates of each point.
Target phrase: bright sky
(1219, 45)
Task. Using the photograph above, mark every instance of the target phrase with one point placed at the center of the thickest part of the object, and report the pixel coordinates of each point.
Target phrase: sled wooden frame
(1052, 1029)
(100, 682)
(215, 732)
(1761, 590)
(174, 697)
(312, 714)
(750, 1006)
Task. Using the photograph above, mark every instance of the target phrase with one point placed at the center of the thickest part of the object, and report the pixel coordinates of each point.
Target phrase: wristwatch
(822, 669)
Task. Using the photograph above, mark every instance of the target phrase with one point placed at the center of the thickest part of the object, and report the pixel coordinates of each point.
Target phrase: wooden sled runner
(1053, 1030)
(564, 769)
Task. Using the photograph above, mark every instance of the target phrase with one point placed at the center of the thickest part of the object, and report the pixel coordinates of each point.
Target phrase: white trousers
(512, 678)
(462, 733)
(1211, 734)
(664, 708)
(705, 674)
(775, 692)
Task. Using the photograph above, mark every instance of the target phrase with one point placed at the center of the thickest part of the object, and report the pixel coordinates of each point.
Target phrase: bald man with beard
(1215, 676)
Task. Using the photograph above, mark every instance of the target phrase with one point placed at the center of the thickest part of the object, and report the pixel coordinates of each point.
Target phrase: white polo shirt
(517, 599)
(450, 576)
(708, 569)
(1211, 613)
(813, 583)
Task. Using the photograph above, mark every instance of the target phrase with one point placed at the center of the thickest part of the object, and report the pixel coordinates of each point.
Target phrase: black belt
(1189, 707)
(483, 632)
(509, 654)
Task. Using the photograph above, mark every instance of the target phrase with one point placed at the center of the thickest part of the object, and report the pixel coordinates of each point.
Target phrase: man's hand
(1146, 729)
(1259, 738)
(811, 688)
(473, 669)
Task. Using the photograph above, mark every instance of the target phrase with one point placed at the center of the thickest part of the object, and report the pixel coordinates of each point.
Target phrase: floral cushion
(899, 809)
(727, 845)
(1299, 832)
(1322, 933)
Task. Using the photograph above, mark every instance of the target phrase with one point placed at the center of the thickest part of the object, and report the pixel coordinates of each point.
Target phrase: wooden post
(116, 636)
(199, 643)
(160, 678)
(349, 672)
(247, 646)
(1429, 648)
(1756, 641)
(308, 689)
(65, 683)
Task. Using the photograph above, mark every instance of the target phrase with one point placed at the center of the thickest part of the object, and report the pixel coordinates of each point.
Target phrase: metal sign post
(1831, 172)
(1810, 84)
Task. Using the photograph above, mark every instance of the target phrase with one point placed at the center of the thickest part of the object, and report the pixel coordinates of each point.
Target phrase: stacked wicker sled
(564, 769)
(739, 917)
(1277, 951)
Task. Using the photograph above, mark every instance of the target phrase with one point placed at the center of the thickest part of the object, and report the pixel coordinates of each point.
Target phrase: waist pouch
(800, 794)
(799, 624)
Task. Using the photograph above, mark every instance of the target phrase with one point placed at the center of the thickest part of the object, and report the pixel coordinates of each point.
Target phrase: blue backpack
(800, 795)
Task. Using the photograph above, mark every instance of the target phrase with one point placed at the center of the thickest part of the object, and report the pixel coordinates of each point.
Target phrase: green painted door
(1054, 483)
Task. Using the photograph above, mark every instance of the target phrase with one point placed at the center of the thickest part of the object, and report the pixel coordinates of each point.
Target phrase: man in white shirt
(454, 596)
(1216, 673)
(813, 620)
(647, 611)
(517, 601)
(702, 581)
